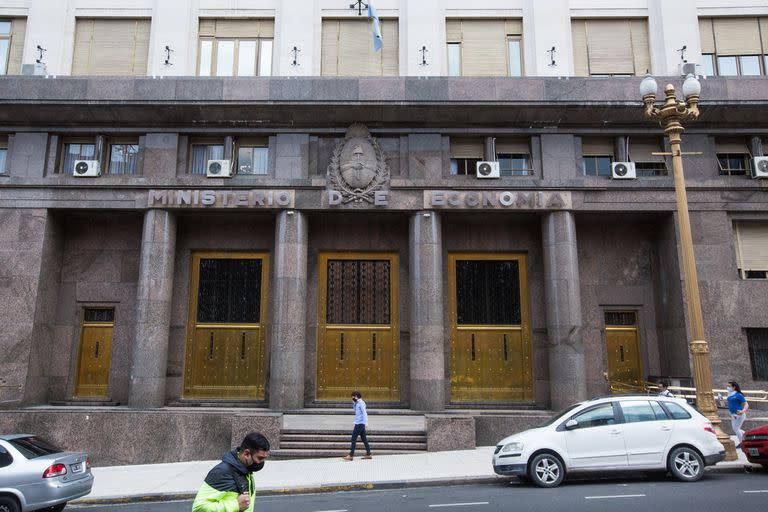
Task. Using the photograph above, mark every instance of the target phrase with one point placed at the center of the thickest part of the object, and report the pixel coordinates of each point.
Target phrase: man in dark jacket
(229, 486)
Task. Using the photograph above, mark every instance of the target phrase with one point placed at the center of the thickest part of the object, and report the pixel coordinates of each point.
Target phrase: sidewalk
(181, 480)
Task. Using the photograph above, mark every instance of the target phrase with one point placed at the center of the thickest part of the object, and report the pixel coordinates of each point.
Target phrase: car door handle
(666, 428)
(615, 432)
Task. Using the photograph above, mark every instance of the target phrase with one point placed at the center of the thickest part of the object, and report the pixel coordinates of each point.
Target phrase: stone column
(289, 312)
(567, 373)
(153, 310)
(427, 299)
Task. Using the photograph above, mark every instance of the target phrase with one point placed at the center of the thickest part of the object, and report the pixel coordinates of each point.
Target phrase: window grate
(99, 315)
(620, 318)
(358, 292)
(757, 339)
(229, 291)
(488, 292)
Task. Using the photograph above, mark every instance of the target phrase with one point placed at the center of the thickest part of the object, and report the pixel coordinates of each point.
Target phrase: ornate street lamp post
(669, 115)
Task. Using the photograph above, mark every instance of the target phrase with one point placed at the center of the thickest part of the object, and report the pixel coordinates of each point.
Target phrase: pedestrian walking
(229, 485)
(738, 407)
(663, 391)
(361, 420)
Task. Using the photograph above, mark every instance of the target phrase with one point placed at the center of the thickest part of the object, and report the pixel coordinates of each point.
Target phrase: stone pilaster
(567, 373)
(153, 310)
(427, 299)
(288, 329)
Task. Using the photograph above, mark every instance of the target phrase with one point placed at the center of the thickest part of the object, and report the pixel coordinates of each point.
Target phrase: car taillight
(88, 463)
(709, 428)
(55, 470)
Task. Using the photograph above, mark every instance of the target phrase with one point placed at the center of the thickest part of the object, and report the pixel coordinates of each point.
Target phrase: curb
(281, 491)
(361, 486)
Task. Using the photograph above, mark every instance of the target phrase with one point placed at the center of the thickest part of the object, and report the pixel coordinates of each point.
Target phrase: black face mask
(256, 466)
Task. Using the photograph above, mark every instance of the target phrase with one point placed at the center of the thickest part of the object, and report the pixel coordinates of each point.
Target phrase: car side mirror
(571, 424)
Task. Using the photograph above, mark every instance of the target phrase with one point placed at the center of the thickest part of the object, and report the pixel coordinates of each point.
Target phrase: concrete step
(324, 436)
(282, 454)
(348, 432)
(341, 445)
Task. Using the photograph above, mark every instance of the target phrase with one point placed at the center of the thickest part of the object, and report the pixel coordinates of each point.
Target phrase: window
(488, 292)
(596, 416)
(636, 411)
(597, 156)
(201, 152)
(111, 46)
(465, 153)
(757, 339)
(752, 249)
(514, 157)
(347, 48)
(676, 411)
(734, 46)
(74, 150)
(733, 157)
(252, 156)
(659, 411)
(641, 151)
(484, 47)
(610, 47)
(5, 458)
(3, 154)
(235, 47)
(11, 44)
(33, 447)
(123, 157)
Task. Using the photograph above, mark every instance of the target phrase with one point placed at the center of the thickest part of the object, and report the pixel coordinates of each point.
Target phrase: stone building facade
(354, 245)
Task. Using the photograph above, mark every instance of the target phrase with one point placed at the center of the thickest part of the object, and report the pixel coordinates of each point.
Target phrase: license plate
(753, 452)
(78, 468)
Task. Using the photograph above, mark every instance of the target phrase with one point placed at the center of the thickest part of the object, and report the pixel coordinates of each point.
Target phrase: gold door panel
(226, 344)
(358, 331)
(490, 329)
(625, 372)
(95, 353)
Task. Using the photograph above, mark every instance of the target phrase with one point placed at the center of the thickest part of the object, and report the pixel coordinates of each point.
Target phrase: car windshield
(33, 447)
(559, 415)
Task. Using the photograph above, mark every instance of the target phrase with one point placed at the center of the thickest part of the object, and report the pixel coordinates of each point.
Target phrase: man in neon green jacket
(229, 486)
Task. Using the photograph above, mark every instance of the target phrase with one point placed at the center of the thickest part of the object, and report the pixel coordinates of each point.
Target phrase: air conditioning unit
(760, 167)
(86, 169)
(688, 68)
(623, 171)
(219, 169)
(487, 170)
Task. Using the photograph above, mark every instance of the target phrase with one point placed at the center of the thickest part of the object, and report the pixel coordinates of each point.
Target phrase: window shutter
(466, 148)
(764, 33)
(390, 49)
(452, 31)
(706, 35)
(640, 47)
(514, 27)
(484, 48)
(356, 55)
(207, 27)
(513, 146)
(580, 59)
(596, 146)
(731, 146)
(641, 150)
(609, 47)
(329, 51)
(18, 30)
(752, 245)
(111, 47)
(241, 28)
(737, 36)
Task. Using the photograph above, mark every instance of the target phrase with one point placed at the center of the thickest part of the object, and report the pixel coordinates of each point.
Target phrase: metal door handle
(96, 355)
(473, 347)
(342, 347)
(374, 346)
(210, 348)
(615, 432)
(242, 347)
(666, 428)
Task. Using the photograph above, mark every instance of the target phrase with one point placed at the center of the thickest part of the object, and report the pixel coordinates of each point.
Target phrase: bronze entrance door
(490, 328)
(226, 347)
(95, 352)
(358, 343)
(625, 372)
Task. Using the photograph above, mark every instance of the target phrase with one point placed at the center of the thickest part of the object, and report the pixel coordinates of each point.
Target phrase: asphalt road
(715, 492)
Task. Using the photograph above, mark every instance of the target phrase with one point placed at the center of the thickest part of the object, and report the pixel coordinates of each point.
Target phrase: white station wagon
(617, 433)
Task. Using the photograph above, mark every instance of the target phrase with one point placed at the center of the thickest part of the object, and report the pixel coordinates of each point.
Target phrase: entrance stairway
(315, 436)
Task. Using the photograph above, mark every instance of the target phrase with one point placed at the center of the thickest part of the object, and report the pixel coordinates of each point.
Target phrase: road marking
(340, 510)
(614, 496)
(765, 490)
(459, 504)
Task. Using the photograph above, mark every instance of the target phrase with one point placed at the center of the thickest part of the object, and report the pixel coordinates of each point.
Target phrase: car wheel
(8, 504)
(546, 470)
(686, 464)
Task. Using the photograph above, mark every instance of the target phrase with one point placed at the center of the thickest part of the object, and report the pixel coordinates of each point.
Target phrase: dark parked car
(35, 475)
(755, 445)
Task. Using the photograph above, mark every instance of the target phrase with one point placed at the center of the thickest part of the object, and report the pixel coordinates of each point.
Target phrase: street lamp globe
(691, 86)
(648, 86)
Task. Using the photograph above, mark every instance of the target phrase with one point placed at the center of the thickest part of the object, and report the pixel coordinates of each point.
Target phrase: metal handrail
(651, 388)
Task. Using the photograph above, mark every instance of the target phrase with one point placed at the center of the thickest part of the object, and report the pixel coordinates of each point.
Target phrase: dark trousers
(359, 430)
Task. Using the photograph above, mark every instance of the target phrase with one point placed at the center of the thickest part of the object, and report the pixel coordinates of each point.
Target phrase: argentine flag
(376, 26)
